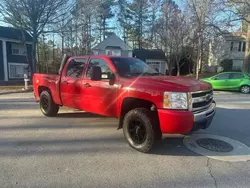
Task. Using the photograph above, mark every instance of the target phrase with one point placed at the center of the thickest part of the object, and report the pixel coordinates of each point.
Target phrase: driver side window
(222, 76)
(106, 71)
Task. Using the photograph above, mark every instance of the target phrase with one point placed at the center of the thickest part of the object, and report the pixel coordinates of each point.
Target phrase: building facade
(113, 46)
(235, 49)
(15, 55)
(156, 59)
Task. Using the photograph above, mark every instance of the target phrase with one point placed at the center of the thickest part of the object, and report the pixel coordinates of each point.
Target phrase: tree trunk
(177, 66)
(38, 59)
(53, 50)
(34, 45)
(198, 61)
(246, 65)
(104, 28)
(62, 44)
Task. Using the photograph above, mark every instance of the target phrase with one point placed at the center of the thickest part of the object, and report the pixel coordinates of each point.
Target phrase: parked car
(235, 81)
(146, 102)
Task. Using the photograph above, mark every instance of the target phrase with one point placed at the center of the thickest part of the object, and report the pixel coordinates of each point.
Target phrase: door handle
(65, 82)
(86, 85)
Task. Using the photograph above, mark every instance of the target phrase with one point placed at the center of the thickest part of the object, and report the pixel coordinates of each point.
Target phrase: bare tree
(154, 10)
(173, 31)
(32, 15)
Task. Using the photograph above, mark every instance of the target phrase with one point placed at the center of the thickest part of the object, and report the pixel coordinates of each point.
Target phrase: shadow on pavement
(172, 146)
(99, 124)
(237, 127)
(18, 148)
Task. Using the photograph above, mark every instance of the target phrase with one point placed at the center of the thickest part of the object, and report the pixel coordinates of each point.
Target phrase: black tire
(47, 105)
(245, 89)
(139, 130)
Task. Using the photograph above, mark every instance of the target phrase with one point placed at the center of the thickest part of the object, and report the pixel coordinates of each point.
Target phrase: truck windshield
(129, 67)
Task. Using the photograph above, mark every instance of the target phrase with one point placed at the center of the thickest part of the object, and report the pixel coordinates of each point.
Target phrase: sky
(113, 21)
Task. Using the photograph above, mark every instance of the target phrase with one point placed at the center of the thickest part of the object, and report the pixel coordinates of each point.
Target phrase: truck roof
(100, 56)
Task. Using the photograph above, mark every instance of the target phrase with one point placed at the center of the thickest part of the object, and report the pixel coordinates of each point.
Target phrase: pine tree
(124, 17)
(139, 10)
(104, 14)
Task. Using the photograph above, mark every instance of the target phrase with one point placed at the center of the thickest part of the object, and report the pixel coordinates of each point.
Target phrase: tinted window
(236, 76)
(128, 67)
(75, 68)
(100, 63)
(223, 76)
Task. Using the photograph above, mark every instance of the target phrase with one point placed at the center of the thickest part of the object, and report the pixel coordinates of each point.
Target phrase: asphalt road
(84, 150)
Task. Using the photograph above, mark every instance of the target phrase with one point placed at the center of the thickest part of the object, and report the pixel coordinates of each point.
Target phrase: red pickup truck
(146, 102)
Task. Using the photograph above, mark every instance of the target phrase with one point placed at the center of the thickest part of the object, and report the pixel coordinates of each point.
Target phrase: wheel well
(42, 88)
(132, 103)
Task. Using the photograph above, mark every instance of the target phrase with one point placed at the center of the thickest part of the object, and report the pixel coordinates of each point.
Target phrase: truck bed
(50, 81)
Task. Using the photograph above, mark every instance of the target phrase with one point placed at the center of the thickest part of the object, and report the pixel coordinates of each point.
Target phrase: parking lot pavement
(78, 149)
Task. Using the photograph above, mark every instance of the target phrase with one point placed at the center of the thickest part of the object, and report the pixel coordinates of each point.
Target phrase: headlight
(174, 100)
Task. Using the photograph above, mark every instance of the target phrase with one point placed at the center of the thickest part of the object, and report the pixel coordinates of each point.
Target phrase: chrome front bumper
(202, 120)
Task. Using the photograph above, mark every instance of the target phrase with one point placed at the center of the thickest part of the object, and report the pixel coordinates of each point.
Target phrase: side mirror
(111, 76)
(96, 73)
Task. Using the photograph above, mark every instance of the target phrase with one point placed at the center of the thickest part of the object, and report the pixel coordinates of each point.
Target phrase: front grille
(202, 104)
(200, 94)
(201, 100)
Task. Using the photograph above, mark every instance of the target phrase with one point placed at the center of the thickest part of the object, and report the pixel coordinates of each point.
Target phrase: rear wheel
(47, 105)
(245, 89)
(139, 130)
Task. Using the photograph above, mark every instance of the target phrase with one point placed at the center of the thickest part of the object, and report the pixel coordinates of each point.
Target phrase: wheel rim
(245, 89)
(45, 103)
(137, 131)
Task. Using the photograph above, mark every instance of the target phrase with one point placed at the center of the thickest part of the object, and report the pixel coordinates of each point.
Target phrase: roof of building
(144, 54)
(14, 34)
(112, 41)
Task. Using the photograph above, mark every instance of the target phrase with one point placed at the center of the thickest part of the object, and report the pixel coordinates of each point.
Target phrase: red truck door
(99, 96)
(71, 82)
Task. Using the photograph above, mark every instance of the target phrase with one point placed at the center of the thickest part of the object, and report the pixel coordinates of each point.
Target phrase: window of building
(18, 49)
(239, 49)
(109, 52)
(232, 46)
(155, 65)
(17, 70)
(244, 47)
(106, 71)
(75, 67)
(113, 52)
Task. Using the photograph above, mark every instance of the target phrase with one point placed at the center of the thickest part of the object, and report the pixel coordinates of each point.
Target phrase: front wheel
(139, 130)
(245, 89)
(47, 105)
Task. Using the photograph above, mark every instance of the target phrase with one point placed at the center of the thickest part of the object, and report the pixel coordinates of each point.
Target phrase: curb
(18, 91)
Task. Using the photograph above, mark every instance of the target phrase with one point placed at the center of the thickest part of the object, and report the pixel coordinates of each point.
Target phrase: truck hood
(170, 83)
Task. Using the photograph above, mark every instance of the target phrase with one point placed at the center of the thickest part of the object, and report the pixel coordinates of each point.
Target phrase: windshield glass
(129, 67)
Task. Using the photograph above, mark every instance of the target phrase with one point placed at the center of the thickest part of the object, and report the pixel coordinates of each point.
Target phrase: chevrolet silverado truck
(147, 103)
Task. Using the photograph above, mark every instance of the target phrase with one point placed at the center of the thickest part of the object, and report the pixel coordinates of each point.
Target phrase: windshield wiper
(152, 74)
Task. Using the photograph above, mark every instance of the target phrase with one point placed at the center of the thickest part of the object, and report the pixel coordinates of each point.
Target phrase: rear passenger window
(236, 76)
(75, 68)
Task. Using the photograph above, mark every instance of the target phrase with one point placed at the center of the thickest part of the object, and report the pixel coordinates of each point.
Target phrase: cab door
(220, 81)
(235, 80)
(71, 82)
(100, 96)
